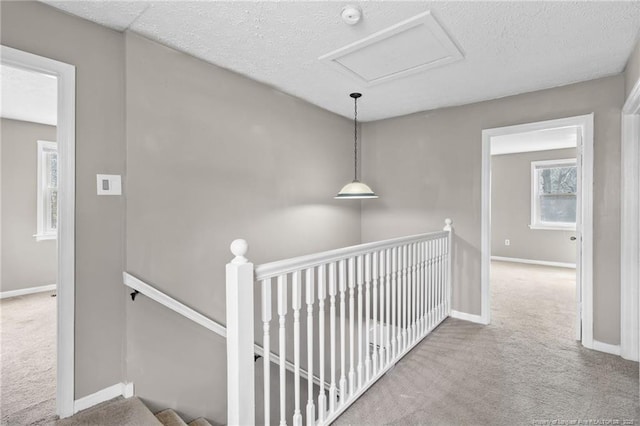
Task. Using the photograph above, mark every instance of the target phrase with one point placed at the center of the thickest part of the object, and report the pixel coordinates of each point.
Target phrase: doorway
(582, 129)
(63, 214)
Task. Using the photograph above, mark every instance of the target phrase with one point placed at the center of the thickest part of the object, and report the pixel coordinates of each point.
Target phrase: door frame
(630, 227)
(66, 139)
(584, 262)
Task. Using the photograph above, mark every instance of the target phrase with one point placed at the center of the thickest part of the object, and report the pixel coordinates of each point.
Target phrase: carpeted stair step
(169, 417)
(200, 422)
(118, 411)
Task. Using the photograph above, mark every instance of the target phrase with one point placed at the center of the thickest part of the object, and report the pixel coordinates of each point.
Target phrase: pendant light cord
(355, 140)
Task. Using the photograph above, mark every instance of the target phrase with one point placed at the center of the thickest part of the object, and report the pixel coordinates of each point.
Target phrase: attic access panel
(406, 48)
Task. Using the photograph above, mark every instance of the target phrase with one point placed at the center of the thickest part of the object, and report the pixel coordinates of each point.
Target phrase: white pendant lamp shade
(355, 190)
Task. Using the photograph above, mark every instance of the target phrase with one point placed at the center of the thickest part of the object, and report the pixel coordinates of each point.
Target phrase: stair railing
(140, 287)
(386, 296)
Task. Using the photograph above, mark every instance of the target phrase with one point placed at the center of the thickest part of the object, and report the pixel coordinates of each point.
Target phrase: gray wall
(427, 166)
(632, 70)
(213, 156)
(511, 211)
(98, 54)
(27, 262)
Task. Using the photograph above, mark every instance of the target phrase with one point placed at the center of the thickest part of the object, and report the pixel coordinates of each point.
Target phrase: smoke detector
(351, 15)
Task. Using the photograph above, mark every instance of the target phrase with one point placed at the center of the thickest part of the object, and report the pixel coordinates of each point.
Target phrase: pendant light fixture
(356, 189)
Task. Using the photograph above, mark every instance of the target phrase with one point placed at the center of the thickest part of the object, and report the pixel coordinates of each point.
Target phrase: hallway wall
(427, 166)
(213, 156)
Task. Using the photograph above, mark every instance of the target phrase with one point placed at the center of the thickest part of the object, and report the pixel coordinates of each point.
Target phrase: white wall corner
(119, 389)
(478, 319)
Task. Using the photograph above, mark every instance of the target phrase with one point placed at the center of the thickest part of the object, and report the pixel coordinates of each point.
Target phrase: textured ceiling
(508, 47)
(28, 96)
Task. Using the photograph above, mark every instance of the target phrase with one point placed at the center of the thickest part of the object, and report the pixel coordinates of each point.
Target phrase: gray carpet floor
(28, 359)
(523, 369)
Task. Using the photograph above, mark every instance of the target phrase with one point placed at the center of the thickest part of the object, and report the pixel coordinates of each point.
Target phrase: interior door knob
(573, 238)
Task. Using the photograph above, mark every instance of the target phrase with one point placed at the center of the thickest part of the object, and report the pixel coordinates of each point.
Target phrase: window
(47, 203)
(554, 186)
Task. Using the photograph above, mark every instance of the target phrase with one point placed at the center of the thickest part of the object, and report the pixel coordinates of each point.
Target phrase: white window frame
(535, 222)
(43, 230)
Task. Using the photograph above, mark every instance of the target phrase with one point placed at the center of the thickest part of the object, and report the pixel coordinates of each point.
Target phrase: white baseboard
(606, 347)
(25, 291)
(534, 262)
(119, 389)
(467, 317)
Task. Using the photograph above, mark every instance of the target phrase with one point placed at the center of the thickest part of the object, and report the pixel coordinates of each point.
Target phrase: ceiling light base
(351, 15)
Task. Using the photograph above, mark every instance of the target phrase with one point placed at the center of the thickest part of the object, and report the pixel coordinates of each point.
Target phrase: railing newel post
(240, 337)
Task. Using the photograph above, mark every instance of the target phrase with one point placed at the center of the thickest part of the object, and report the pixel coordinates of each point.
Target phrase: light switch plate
(109, 184)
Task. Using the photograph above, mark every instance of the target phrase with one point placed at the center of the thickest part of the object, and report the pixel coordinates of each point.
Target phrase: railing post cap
(239, 248)
(447, 224)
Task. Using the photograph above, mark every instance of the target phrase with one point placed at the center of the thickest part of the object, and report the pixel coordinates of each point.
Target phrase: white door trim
(630, 227)
(66, 75)
(585, 261)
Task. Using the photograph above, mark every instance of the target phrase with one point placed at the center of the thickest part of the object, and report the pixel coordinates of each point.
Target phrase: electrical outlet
(507, 242)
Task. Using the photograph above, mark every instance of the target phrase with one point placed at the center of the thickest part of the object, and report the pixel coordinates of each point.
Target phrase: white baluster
(394, 301)
(296, 304)
(309, 296)
(282, 312)
(423, 290)
(439, 281)
(360, 337)
(414, 286)
(435, 282)
(342, 282)
(409, 296)
(426, 286)
(322, 294)
(266, 343)
(440, 277)
(444, 278)
(419, 291)
(411, 293)
(405, 286)
(431, 283)
(367, 297)
(352, 327)
(376, 323)
(380, 255)
(388, 305)
(332, 325)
